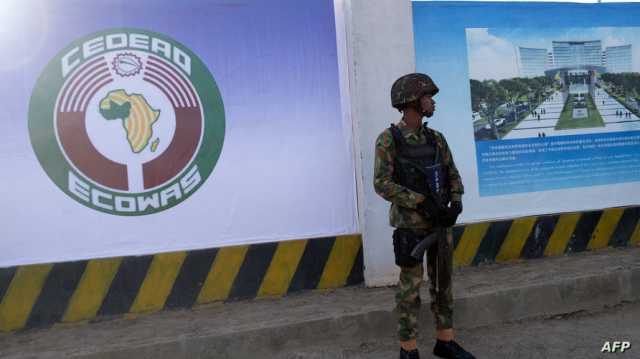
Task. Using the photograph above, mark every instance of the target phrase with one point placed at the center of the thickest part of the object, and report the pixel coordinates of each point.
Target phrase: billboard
(539, 102)
(137, 127)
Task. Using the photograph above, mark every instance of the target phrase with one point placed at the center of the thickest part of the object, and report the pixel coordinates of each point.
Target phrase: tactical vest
(419, 167)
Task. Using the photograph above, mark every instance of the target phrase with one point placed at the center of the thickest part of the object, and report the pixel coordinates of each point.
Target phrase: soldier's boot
(450, 350)
(413, 354)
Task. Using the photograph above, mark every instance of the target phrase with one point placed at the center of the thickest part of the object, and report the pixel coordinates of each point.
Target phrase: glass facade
(533, 62)
(577, 53)
(618, 58)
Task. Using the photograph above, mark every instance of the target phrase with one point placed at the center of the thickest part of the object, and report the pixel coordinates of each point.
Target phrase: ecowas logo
(127, 122)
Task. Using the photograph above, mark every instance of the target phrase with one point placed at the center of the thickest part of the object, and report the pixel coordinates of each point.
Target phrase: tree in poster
(486, 98)
(514, 88)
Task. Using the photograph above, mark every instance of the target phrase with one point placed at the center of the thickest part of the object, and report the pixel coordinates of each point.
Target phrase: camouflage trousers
(439, 269)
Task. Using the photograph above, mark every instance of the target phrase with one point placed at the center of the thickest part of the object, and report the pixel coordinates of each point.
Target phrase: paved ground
(607, 106)
(549, 111)
(577, 335)
(552, 107)
(359, 323)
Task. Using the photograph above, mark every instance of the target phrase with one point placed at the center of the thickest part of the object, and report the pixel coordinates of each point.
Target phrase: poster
(541, 101)
(559, 111)
(138, 127)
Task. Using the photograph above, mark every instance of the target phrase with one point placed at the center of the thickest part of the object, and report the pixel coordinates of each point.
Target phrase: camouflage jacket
(403, 213)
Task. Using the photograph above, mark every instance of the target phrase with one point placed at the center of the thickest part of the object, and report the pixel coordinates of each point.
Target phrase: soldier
(414, 170)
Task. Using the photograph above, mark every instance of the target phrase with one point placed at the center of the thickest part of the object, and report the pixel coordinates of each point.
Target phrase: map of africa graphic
(137, 117)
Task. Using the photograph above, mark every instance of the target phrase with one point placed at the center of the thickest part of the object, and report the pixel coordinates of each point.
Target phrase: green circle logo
(127, 122)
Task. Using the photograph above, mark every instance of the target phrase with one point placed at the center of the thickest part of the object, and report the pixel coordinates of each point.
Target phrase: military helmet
(411, 87)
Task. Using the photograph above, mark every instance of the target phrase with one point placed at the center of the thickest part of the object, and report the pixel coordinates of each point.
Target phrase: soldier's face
(428, 105)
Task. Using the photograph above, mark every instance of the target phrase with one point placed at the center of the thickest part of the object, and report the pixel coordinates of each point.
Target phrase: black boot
(450, 350)
(409, 355)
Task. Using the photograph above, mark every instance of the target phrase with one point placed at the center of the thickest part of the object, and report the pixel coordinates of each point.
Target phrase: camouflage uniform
(404, 214)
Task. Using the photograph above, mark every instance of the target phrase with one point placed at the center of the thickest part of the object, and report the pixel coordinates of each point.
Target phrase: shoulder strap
(398, 139)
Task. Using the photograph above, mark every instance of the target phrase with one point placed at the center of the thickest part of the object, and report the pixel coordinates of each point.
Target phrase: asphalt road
(577, 335)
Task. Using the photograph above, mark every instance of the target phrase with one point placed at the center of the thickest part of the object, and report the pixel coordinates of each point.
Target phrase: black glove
(431, 208)
(451, 214)
(456, 206)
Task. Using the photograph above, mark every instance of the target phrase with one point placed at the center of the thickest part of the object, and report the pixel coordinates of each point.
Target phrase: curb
(484, 295)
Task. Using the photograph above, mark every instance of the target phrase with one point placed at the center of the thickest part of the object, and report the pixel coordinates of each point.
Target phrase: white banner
(128, 134)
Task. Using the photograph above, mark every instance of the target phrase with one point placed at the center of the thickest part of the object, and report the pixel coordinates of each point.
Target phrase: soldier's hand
(456, 207)
(451, 214)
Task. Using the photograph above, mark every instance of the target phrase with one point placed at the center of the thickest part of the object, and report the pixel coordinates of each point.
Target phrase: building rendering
(533, 62)
(618, 58)
(577, 53)
(567, 55)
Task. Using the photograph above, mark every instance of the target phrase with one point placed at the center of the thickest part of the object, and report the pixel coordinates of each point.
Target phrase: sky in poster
(439, 29)
(492, 51)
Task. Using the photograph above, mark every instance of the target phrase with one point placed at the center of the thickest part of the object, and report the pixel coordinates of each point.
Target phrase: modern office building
(577, 53)
(533, 62)
(574, 55)
(618, 58)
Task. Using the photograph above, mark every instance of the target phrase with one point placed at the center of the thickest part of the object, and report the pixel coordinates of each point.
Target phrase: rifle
(417, 252)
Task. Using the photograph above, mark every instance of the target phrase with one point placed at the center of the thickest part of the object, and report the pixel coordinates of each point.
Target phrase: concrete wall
(380, 38)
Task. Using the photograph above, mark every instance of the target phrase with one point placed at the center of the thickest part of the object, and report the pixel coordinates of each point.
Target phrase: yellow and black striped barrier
(543, 236)
(42, 295)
